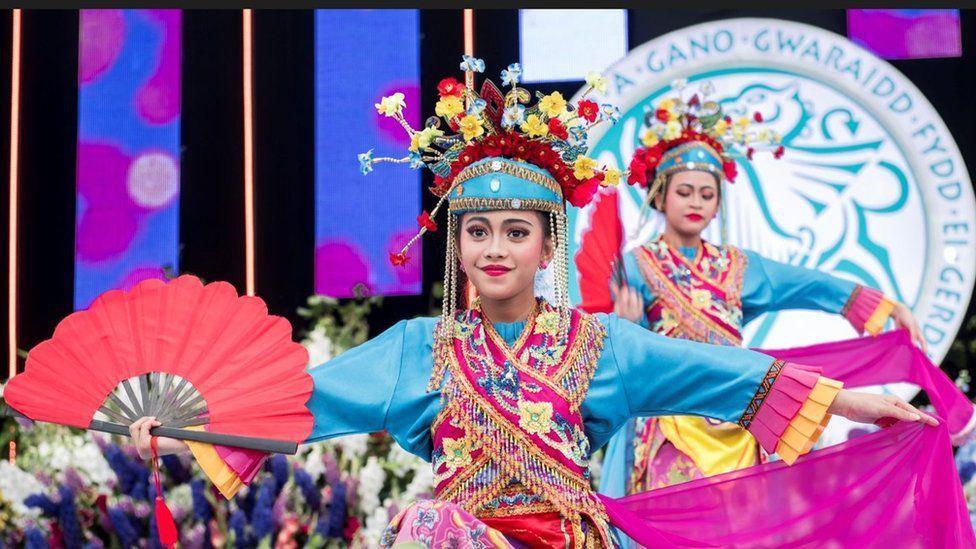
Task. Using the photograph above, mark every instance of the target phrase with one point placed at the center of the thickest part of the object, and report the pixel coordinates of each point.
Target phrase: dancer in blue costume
(681, 286)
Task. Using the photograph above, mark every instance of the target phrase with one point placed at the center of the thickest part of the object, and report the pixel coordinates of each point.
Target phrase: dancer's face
(501, 251)
(690, 201)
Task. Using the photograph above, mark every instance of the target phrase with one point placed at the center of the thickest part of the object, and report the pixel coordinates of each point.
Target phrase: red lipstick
(693, 217)
(495, 270)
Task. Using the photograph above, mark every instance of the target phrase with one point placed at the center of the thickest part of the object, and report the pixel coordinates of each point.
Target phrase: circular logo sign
(872, 187)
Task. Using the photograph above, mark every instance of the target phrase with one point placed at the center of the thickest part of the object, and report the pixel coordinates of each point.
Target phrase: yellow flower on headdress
(583, 167)
(535, 417)
(457, 452)
(596, 81)
(391, 105)
(720, 127)
(611, 177)
(534, 126)
(426, 136)
(672, 130)
(449, 107)
(650, 138)
(471, 127)
(667, 104)
(742, 122)
(553, 104)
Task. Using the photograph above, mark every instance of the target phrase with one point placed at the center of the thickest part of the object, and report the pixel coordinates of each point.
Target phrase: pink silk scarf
(897, 487)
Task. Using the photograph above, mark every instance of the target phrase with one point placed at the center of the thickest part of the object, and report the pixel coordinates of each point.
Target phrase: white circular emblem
(872, 187)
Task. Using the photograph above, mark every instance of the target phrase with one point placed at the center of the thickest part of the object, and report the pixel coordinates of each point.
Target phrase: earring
(543, 264)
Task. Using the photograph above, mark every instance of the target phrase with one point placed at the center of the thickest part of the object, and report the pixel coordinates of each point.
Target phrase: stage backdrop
(872, 187)
(128, 178)
(361, 56)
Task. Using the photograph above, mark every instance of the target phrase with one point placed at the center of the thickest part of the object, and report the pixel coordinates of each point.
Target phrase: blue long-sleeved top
(767, 285)
(382, 383)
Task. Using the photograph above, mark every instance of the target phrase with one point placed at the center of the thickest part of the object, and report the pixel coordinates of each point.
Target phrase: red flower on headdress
(557, 169)
(662, 115)
(524, 150)
(757, 116)
(638, 172)
(749, 152)
(471, 154)
(450, 86)
(398, 259)
(564, 176)
(588, 110)
(544, 157)
(492, 145)
(652, 155)
(694, 100)
(556, 128)
(581, 194)
(778, 153)
(441, 185)
(510, 142)
(425, 221)
(730, 170)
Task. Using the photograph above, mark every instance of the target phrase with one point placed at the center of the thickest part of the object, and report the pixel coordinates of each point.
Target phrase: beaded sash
(700, 299)
(510, 438)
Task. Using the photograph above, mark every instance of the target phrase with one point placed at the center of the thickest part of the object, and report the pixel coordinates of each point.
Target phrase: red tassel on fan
(188, 354)
(165, 525)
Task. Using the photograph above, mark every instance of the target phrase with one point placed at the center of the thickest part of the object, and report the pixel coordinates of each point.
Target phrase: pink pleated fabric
(886, 358)
(897, 487)
(788, 394)
(894, 488)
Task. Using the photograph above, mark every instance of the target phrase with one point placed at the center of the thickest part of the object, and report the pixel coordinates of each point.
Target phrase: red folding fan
(598, 259)
(186, 353)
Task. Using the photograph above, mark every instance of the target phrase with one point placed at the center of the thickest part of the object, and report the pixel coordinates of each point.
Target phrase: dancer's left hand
(904, 318)
(881, 409)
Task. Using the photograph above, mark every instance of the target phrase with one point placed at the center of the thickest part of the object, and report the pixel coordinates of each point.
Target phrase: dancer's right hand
(139, 432)
(627, 303)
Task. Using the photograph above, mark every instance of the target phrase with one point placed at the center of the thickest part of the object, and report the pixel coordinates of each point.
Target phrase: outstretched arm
(785, 406)
(773, 286)
(352, 394)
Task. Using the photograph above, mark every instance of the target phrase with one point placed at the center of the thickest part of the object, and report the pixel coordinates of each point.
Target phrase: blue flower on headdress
(477, 106)
(570, 154)
(578, 133)
(472, 64)
(513, 116)
(609, 112)
(512, 75)
(416, 161)
(366, 162)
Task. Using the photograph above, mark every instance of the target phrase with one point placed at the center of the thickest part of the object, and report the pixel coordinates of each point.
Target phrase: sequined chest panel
(698, 299)
(510, 437)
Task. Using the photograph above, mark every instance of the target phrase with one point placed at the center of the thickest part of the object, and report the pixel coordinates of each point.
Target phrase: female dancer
(682, 286)
(507, 397)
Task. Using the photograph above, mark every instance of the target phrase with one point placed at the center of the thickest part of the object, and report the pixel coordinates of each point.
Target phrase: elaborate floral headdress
(494, 151)
(695, 134)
